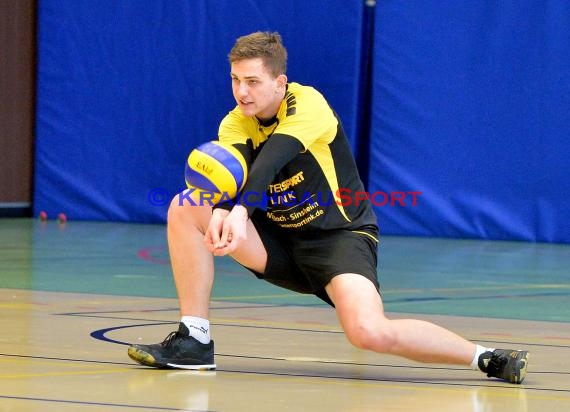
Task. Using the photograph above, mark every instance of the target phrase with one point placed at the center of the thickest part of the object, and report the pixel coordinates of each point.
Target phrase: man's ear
(281, 81)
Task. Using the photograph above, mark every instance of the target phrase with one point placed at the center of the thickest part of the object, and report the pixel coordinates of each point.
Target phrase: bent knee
(181, 209)
(176, 209)
(379, 338)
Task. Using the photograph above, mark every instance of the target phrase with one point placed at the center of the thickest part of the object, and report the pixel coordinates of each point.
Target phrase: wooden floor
(72, 296)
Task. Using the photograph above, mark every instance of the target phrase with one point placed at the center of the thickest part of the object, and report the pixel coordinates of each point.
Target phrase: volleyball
(217, 171)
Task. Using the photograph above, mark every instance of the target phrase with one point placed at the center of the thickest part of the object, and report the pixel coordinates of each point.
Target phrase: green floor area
(513, 280)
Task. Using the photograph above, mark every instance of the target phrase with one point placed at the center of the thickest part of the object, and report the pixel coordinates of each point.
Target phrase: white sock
(198, 328)
(478, 352)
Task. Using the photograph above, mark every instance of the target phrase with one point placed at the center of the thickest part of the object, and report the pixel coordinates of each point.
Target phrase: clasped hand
(226, 230)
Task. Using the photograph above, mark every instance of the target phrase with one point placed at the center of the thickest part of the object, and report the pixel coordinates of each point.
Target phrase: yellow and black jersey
(301, 169)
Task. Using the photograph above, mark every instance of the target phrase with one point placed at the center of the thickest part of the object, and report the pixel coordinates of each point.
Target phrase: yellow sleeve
(307, 117)
(232, 129)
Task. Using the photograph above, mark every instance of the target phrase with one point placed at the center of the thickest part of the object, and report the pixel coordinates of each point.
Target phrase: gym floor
(73, 295)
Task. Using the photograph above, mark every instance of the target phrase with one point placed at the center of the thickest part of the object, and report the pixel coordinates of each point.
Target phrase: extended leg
(361, 314)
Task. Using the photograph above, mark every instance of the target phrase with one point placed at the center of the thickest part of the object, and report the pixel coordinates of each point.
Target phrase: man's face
(255, 90)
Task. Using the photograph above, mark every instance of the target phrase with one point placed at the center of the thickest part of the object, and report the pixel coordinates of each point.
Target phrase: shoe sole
(147, 359)
(519, 378)
(143, 357)
(193, 367)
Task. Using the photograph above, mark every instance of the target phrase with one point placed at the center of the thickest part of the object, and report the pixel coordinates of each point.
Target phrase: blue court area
(479, 278)
(72, 295)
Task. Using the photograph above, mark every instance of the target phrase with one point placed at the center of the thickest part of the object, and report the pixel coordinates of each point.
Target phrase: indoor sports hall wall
(126, 88)
(468, 110)
(471, 107)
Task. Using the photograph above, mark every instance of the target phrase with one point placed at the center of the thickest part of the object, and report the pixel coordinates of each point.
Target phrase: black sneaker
(506, 364)
(178, 350)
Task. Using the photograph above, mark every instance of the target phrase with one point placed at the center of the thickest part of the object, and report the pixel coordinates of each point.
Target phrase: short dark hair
(265, 45)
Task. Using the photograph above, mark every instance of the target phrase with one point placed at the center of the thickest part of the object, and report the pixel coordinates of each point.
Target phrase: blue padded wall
(469, 104)
(471, 107)
(127, 88)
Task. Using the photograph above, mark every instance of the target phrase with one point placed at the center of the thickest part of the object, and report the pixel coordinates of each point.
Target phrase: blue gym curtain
(471, 107)
(126, 88)
(457, 111)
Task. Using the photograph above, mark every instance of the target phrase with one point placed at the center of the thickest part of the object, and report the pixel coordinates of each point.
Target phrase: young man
(296, 233)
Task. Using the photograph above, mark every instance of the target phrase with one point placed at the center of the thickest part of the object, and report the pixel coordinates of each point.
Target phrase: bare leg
(361, 315)
(192, 263)
(193, 271)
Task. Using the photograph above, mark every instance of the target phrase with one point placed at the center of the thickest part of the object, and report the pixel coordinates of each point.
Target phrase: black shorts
(305, 262)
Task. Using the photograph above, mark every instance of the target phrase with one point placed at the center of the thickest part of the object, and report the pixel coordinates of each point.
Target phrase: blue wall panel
(127, 88)
(469, 105)
(471, 102)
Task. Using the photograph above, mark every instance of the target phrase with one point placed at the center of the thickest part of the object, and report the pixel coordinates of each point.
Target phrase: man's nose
(242, 89)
